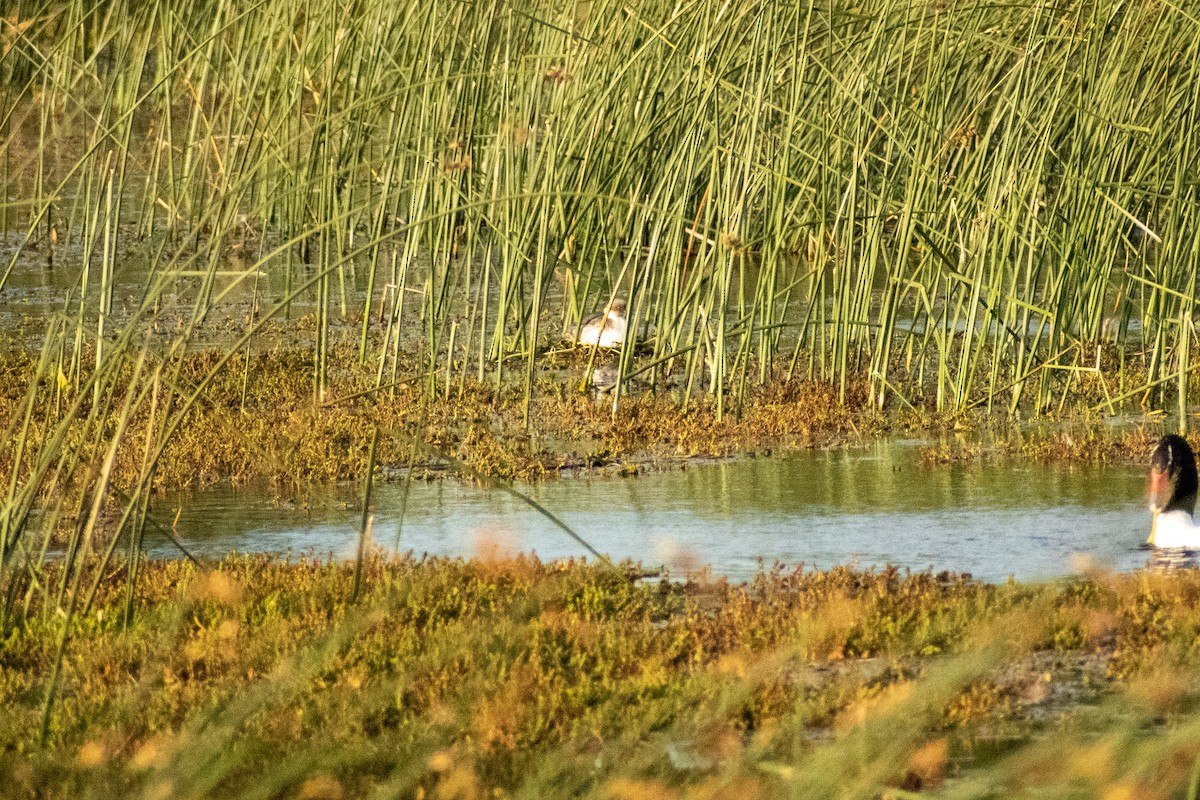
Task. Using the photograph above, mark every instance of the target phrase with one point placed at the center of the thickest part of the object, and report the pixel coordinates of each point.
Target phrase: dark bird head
(1173, 476)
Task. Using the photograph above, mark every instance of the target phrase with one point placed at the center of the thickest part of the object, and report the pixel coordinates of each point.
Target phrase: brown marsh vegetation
(257, 677)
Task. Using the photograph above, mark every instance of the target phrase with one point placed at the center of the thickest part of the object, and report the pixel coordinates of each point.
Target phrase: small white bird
(1173, 488)
(607, 329)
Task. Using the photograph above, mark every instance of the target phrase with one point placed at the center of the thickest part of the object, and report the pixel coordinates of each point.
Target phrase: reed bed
(962, 204)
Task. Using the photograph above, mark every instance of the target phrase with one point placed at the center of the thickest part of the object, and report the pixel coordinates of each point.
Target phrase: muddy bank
(258, 420)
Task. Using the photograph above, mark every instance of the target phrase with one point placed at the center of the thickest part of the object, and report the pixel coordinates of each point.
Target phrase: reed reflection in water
(869, 506)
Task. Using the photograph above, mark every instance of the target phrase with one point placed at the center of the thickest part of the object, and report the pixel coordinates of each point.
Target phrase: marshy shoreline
(309, 244)
(258, 423)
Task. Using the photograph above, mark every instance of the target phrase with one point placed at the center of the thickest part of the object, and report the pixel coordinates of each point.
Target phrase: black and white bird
(1173, 488)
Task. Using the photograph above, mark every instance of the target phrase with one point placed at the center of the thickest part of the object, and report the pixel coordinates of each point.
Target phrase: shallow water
(867, 506)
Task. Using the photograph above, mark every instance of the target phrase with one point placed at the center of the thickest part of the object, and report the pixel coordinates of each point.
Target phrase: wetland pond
(868, 506)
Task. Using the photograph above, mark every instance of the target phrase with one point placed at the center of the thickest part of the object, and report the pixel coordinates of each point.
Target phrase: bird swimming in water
(607, 329)
(1173, 486)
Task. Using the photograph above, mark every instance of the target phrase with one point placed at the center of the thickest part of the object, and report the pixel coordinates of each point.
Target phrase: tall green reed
(959, 207)
(948, 203)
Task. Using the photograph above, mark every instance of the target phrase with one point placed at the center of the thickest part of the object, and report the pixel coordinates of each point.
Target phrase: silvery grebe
(607, 329)
(1173, 494)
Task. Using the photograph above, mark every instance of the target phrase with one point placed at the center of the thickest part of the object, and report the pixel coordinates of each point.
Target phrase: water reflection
(1171, 559)
(870, 506)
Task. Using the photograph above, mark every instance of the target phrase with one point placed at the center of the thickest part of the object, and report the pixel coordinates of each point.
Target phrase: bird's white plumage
(607, 330)
(1175, 529)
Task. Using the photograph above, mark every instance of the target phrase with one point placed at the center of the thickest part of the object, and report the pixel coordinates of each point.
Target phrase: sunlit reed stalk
(82, 538)
(364, 536)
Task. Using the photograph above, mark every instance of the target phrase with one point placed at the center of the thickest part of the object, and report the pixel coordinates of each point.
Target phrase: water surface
(867, 506)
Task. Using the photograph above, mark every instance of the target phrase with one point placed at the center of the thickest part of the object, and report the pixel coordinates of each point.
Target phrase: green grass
(261, 678)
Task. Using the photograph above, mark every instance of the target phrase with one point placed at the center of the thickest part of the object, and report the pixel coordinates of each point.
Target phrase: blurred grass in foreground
(511, 678)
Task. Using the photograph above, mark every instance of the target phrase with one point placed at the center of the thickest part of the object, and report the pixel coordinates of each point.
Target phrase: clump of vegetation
(446, 678)
(256, 419)
(904, 199)
(1080, 440)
